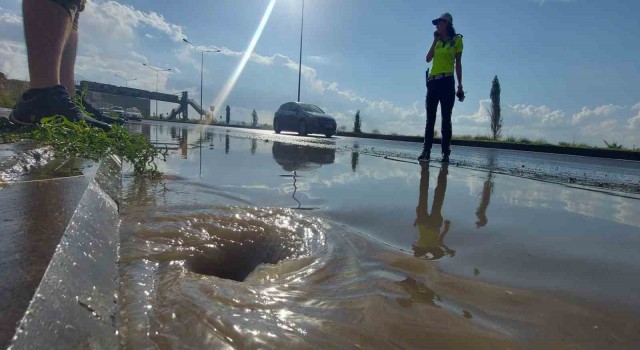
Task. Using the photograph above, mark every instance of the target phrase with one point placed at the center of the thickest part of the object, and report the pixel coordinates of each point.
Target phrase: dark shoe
(425, 156)
(96, 113)
(445, 158)
(36, 104)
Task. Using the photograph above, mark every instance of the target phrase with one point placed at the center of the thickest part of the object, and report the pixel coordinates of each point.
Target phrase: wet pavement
(458, 255)
(38, 195)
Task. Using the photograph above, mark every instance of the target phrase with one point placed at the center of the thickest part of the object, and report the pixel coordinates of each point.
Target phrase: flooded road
(255, 240)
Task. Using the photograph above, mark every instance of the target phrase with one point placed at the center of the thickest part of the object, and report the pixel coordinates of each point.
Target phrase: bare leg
(68, 63)
(47, 26)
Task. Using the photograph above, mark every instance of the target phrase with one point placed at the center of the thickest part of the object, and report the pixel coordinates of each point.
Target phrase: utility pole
(300, 65)
(157, 70)
(202, 52)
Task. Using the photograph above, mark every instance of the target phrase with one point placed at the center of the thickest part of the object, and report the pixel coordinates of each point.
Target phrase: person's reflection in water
(481, 213)
(184, 141)
(226, 144)
(355, 155)
(210, 138)
(430, 243)
(254, 146)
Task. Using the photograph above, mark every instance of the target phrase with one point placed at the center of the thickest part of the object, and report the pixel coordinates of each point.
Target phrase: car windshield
(311, 108)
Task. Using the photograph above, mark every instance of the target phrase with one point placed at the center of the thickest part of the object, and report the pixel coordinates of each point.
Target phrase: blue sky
(568, 68)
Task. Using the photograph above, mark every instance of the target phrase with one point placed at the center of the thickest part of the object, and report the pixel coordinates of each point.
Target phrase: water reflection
(292, 304)
(146, 131)
(210, 139)
(487, 190)
(295, 157)
(355, 155)
(184, 142)
(254, 146)
(295, 190)
(430, 243)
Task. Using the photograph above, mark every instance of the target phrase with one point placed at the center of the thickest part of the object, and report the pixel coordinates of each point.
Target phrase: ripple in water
(200, 276)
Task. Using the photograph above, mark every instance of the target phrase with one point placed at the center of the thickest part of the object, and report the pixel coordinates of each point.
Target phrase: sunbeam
(228, 86)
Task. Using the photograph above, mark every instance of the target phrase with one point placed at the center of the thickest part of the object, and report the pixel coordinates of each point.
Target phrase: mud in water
(384, 255)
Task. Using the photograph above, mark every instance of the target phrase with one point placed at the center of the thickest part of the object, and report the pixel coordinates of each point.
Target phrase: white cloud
(634, 122)
(318, 59)
(540, 116)
(382, 114)
(130, 18)
(8, 17)
(600, 111)
(13, 60)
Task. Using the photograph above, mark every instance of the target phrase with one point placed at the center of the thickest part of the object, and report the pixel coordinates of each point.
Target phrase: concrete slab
(33, 216)
(75, 302)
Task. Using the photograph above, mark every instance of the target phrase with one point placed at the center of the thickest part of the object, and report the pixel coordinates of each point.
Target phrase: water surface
(256, 242)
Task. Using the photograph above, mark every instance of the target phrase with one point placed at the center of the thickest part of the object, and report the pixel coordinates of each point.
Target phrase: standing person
(228, 114)
(51, 35)
(445, 51)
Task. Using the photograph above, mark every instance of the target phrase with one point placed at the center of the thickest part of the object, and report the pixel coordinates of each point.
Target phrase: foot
(96, 113)
(424, 156)
(445, 158)
(34, 105)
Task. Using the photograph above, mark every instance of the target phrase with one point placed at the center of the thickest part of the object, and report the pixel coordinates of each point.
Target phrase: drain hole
(235, 263)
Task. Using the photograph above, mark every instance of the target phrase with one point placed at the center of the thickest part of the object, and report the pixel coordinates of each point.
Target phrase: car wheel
(328, 135)
(302, 128)
(276, 127)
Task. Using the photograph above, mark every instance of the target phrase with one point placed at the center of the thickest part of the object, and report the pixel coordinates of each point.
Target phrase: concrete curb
(75, 304)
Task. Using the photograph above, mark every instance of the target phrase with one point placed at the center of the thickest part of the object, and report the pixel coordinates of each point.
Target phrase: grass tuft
(79, 139)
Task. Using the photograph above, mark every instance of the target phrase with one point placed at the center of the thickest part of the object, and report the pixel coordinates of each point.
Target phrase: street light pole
(300, 65)
(157, 70)
(126, 84)
(202, 52)
(201, 87)
(157, 79)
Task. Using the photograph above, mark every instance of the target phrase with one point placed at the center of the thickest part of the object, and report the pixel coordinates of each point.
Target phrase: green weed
(78, 139)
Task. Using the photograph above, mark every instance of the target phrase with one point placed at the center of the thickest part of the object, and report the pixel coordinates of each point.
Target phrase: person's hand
(436, 36)
(460, 93)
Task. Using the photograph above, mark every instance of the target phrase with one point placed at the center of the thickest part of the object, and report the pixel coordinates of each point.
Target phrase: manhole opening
(234, 263)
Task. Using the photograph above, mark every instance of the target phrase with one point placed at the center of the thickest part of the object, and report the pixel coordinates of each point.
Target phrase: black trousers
(441, 91)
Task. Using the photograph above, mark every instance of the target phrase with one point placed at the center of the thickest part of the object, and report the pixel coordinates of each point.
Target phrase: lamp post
(300, 65)
(157, 70)
(202, 52)
(126, 84)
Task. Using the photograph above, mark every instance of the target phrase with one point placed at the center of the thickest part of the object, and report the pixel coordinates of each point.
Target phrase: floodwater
(255, 240)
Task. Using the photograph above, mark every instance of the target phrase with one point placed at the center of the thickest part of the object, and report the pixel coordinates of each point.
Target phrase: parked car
(303, 118)
(119, 111)
(134, 114)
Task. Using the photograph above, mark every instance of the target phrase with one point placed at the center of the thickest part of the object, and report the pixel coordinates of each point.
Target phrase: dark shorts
(74, 7)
